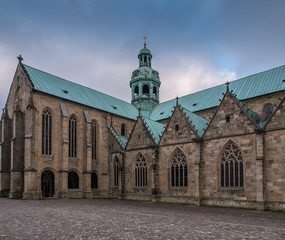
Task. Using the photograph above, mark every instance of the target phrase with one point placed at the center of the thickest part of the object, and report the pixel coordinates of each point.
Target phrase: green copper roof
(50, 84)
(198, 123)
(257, 119)
(121, 139)
(156, 129)
(248, 87)
(145, 50)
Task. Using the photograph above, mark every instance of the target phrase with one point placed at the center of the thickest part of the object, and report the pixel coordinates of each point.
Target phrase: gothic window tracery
(179, 169)
(141, 171)
(72, 145)
(46, 132)
(232, 167)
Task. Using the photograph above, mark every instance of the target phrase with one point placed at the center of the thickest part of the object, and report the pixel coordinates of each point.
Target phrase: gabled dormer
(232, 117)
(183, 126)
(146, 133)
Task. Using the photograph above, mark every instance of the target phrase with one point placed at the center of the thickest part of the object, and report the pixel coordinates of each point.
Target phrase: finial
(139, 112)
(177, 98)
(144, 41)
(227, 83)
(20, 58)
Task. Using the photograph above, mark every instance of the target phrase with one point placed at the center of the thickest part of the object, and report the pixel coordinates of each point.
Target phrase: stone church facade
(223, 146)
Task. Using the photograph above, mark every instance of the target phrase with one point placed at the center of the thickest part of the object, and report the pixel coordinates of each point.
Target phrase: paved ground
(115, 219)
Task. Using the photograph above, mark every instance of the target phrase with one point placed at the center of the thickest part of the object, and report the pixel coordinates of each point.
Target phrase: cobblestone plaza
(116, 219)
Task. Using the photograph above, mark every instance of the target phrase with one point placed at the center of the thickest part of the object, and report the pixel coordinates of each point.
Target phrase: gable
(140, 137)
(229, 119)
(19, 91)
(277, 119)
(178, 129)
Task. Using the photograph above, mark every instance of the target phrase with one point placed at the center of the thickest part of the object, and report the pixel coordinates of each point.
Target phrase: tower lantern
(145, 82)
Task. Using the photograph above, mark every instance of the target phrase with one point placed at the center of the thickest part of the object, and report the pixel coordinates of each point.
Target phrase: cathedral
(222, 146)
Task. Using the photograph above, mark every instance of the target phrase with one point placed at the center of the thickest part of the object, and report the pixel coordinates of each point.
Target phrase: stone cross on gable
(20, 58)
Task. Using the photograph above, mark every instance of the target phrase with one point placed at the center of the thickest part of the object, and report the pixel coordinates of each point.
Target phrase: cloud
(190, 76)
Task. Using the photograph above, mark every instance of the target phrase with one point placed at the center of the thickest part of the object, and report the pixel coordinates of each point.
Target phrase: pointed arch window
(46, 132)
(93, 139)
(73, 180)
(72, 147)
(116, 171)
(141, 172)
(231, 166)
(94, 180)
(179, 169)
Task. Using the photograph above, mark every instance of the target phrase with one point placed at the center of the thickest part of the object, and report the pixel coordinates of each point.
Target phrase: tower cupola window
(154, 91)
(145, 89)
(136, 92)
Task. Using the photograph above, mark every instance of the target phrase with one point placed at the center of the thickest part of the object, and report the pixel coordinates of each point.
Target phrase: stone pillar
(259, 138)
(30, 173)
(87, 161)
(140, 90)
(154, 176)
(5, 153)
(63, 172)
(17, 154)
(123, 175)
(197, 197)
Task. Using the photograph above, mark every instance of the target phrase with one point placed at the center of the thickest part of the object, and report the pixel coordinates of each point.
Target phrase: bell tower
(145, 82)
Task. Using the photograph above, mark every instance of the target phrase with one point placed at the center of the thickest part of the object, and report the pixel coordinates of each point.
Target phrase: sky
(195, 44)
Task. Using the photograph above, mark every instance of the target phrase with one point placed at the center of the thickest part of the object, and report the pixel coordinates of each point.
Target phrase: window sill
(239, 189)
(178, 189)
(47, 158)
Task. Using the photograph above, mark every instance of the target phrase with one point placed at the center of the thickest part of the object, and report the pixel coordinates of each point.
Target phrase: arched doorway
(47, 183)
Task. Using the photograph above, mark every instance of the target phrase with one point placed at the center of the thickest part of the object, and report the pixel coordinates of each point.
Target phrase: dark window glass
(46, 132)
(231, 167)
(72, 152)
(228, 118)
(141, 172)
(145, 89)
(176, 127)
(73, 180)
(267, 111)
(94, 138)
(94, 180)
(123, 129)
(116, 172)
(179, 170)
